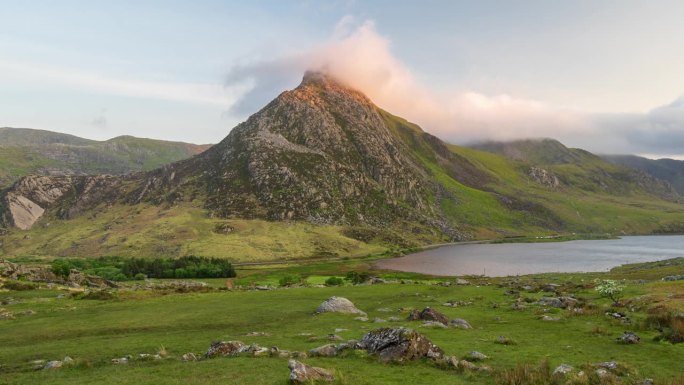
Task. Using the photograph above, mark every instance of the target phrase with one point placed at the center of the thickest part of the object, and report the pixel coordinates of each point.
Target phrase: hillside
(26, 151)
(669, 170)
(321, 171)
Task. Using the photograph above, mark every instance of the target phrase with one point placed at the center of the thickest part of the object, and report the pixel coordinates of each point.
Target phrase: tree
(609, 288)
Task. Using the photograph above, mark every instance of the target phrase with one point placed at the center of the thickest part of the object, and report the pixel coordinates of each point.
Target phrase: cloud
(359, 56)
(199, 93)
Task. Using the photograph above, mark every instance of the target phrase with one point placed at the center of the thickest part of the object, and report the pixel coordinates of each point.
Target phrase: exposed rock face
(30, 197)
(399, 344)
(338, 305)
(429, 314)
(305, 374)
(544, 177)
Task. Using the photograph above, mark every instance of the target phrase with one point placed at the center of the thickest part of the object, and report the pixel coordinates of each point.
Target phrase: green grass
(93, 332)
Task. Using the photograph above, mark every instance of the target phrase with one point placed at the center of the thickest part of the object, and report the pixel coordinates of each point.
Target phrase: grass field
(93, 332)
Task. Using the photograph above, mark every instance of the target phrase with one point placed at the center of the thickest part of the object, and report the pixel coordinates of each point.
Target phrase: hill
(669, 170)
(26, 151)
(321, 171)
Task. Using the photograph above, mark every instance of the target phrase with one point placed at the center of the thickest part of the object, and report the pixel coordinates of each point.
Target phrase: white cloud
(357, 55)
(200, 93)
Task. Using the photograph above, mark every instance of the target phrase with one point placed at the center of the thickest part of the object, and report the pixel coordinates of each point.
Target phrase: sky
(607, 76)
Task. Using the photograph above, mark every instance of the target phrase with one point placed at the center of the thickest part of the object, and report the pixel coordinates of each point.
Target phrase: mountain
(26, 151)
(322, 171)
(579, 168)
(670, 170)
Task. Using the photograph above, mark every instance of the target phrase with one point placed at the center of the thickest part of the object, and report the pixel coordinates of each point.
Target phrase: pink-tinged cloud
(359, 56)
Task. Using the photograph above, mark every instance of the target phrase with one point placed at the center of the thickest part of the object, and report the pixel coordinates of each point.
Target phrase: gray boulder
(225, 348)
(338, 305)
(399, 345)
(460, 323)
(429, 314)
(629, 338)
(305, 374)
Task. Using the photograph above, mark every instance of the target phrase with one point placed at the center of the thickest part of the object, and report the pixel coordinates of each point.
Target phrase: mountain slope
(669, 170)
(27, 151)
(322, 171)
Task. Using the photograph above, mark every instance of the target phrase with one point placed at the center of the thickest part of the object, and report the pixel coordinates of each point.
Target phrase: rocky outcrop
(400, 345)
(544, 177)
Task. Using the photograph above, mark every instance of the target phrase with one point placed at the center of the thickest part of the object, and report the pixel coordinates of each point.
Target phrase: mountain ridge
(324, 155)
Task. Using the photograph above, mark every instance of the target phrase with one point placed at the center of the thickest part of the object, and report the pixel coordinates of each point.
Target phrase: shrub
(357, 278)
(291, 280)
(100, 295)
(61, 268)
(139, 277)
(609, 288)
(668, 322)
(334, 281)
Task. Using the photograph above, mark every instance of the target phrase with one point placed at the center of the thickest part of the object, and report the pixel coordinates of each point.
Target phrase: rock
(189, 357)
(120, 361)
(400, 345)
(338, 305)
(475, 356)
(385, 310)
(673, 278)
(503, 340)
(68, 360)
(454, 303)
(38, 364)
(339, 330)
(394, 319)
(361, 319)
(544, 177)
(334, 337)
(329, 350)
(428, 314)
(379, 321)
(601, 372)
(433, 324)
(351, 344)
(462, 282)
(550, 318)
(527, 288)
(563, 369)
(460, 323)
(551, 287)
(646, 381)
(610, 365)
(258, 334)
(254, 350)
(629, 338)
(53, 365)
(466, 365)
(224, 348)
(376, 281)
(559, 302)
(304, 374)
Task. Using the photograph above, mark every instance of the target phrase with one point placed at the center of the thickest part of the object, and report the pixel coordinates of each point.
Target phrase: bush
(291, 280)
(609, 288)
(334, 281)
(357, 278)
(61, 268)
(139, 277)
(100, 295)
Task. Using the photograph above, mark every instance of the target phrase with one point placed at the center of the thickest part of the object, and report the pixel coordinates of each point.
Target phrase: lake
(496, 260)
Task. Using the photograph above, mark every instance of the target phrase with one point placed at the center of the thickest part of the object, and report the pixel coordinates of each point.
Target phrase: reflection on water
(496, 260)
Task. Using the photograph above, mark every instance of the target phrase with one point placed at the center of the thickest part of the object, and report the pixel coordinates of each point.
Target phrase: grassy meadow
(92, 332)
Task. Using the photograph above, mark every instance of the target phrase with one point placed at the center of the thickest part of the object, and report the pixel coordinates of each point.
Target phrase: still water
(496, 260)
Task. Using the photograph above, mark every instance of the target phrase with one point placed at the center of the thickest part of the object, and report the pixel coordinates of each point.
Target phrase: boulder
(53, 365)
(550, 318)
(428, 314)
(673, 278)
(433, 324)
(461, 281)
(189, 357)
(629, 338)
(559, 302)
(563, 369)
(399, 345)
(476, 356)
(338, 305)
(460, 323)
(304, 374)
(224, 348)
(329, 350)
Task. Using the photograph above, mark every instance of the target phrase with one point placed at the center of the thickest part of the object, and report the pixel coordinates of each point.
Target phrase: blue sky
(604, 75)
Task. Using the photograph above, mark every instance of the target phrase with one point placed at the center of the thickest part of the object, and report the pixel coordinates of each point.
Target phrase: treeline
(124, 269)
(183, 267)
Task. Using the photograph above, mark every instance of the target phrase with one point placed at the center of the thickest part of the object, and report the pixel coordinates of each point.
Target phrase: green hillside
(28, 151)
